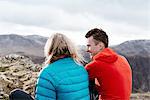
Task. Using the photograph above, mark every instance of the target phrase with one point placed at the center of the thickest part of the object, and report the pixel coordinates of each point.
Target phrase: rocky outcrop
(17, 72)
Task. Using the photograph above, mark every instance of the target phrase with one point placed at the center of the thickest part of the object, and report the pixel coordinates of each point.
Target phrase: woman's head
(58, 45)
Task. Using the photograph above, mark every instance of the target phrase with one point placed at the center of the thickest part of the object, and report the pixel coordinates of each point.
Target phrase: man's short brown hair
(98, 35)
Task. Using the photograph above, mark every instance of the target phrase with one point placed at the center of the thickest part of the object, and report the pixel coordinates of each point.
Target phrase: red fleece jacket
(113, 74)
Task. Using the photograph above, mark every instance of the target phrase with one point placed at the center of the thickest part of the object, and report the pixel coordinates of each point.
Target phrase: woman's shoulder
(45, 70)
(62, 65)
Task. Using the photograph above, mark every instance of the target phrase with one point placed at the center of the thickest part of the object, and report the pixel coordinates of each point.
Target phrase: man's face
(92, 48)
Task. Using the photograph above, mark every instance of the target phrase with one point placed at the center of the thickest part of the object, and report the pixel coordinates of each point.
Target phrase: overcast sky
(122, 19)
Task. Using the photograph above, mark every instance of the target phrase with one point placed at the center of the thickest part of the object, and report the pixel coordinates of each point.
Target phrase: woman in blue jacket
(63, 78)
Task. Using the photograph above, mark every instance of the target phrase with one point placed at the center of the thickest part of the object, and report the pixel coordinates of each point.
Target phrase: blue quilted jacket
(62, 80)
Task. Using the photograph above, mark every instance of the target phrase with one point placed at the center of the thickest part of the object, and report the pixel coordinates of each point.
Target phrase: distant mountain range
(134, 48)
(137, 53)
(31, 45)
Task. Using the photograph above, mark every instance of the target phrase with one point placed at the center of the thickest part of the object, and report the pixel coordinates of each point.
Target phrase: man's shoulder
(91, 64)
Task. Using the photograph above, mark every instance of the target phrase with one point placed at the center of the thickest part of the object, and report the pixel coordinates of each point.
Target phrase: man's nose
(88, 49)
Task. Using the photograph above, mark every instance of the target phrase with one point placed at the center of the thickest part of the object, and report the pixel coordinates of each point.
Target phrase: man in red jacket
(111, 72)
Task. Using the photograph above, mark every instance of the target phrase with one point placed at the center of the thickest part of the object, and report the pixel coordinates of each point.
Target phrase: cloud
(41, 15)
(128, 19)
(43, 12)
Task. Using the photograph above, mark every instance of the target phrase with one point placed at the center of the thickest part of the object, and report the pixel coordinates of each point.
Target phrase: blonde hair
(57, 45)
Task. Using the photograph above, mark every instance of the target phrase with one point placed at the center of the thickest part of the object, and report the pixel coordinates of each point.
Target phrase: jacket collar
(106, 55)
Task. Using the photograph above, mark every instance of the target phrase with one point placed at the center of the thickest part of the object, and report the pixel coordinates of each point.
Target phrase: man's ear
(49, 53)
(101, 45)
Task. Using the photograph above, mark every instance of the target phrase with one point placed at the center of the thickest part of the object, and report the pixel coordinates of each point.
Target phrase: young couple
(65, 78)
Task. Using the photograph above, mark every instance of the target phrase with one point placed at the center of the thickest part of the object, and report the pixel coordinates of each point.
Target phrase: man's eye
(88, 45)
